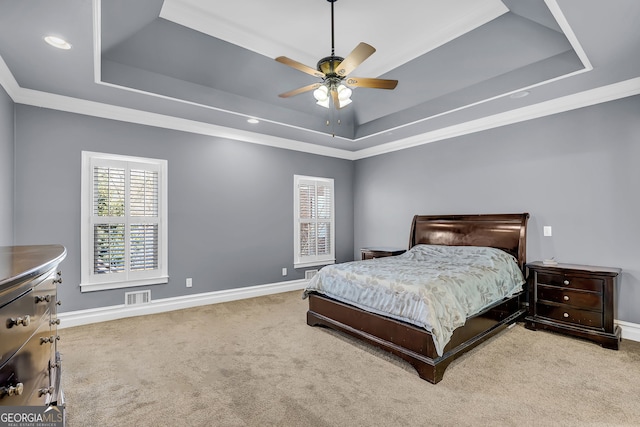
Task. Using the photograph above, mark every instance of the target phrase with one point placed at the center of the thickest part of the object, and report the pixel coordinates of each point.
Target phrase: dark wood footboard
(413, 344)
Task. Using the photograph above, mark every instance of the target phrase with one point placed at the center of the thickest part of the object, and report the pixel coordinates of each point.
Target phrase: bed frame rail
(409, 342)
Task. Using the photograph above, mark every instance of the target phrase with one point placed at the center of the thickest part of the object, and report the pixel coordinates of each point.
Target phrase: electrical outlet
(189, 282)
(546, 230)
(284, 271)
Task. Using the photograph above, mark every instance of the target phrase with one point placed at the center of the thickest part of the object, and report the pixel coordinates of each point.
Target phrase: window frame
(302, 261)
(89, 281)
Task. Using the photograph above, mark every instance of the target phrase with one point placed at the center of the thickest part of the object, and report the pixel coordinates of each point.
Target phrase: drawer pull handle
(58, 280)
(566, 298)
(24, 321)
(40, 298)
(54, 322)
(566, 282)
(11, 390)
(46, 390)
(50, 339)
(566, 314)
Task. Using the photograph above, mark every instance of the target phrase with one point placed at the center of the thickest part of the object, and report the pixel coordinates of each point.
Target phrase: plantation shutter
(109, 226)
(314, 231)
(144, 227)
(126, 237)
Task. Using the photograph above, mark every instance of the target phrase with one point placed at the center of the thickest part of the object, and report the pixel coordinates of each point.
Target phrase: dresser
(380, 252)
(577, 300)
(30, 366)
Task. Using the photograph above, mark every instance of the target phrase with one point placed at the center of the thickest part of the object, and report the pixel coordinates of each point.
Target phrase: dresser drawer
(28, 331)
(568, 314)
(28, 370)
(579, 299)
(23, 316)
(569, 281)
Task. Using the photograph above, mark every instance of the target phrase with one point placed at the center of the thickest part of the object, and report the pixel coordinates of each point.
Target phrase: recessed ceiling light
(253, 121)
(521, 94)
(58, 42)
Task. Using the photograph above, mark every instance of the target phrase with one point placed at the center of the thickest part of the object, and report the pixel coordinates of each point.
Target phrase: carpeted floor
(255, 362)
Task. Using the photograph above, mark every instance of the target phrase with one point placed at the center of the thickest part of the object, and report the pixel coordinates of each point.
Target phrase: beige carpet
(256, 363)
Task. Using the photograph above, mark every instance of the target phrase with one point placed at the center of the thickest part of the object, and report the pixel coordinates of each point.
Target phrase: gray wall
(230, 203)
(6, 169)
(576, 171)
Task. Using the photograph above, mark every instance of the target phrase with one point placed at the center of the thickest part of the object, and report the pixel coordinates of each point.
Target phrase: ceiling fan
(334, 72)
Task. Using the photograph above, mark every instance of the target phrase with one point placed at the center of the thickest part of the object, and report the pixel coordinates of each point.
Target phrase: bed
(446, 236)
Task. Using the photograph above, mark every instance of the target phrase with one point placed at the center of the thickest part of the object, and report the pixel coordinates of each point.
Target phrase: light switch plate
(547, 230)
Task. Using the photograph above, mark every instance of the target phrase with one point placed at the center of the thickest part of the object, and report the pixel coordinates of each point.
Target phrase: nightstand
(377, 252)
(577, 300)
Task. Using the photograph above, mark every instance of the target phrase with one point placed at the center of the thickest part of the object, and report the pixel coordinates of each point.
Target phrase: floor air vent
(308, 274)
(137, 298)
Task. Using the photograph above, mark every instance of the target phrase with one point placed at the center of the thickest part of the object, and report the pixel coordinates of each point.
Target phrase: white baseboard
(103, 314)
(630, 331)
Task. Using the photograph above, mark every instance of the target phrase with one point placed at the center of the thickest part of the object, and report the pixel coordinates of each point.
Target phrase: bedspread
(431, 286)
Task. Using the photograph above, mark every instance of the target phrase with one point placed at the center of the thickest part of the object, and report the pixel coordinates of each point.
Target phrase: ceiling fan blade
(299, 66)
(372, 83)
(300, 90)
(336, 100)
(355, 58)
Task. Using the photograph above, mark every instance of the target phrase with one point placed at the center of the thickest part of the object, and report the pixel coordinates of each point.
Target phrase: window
(314, 225)
(124, 217)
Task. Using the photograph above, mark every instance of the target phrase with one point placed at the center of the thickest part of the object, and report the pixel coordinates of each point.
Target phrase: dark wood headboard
(503, 231)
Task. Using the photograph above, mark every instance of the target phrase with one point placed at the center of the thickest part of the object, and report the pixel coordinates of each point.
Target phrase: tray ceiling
(207, 67)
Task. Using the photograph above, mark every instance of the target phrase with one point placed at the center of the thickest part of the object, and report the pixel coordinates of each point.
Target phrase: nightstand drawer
(564, 313)
(569, 281)
(588, 300)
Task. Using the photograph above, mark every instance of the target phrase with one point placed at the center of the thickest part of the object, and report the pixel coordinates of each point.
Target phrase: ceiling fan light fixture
(344, 93)
(324, 103)
(322, 93)
(322, 96)
(344, 102)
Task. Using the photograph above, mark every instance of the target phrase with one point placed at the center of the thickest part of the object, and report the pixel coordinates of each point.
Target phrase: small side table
(576, 300)
(380, 252)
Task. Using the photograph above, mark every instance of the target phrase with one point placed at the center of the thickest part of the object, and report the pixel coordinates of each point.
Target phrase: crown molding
(7, 81)
(97, 109)
(566, 103)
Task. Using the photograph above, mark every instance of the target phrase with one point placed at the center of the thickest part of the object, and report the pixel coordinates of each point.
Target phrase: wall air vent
(308, 274)
(137, 298)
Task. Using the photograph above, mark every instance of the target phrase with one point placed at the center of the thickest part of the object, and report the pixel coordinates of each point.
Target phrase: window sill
(103, 286)
(314, 263)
